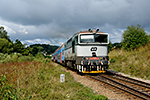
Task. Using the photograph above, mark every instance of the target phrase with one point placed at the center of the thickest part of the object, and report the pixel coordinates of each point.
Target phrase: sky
(54, 21)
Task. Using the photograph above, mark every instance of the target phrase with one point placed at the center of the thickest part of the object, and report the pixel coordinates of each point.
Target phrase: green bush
(48, 57)
(17, 57)
(25, 58)
(112, 60)
(14, 57)
(134, 37)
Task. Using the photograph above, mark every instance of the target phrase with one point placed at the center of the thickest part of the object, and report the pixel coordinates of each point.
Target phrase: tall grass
(135, 62)
(41, 80)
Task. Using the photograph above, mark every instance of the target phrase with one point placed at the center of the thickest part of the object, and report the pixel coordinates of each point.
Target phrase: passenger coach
(85, 51)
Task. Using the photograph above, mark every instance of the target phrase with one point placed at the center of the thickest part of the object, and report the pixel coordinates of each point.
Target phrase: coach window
(62, 52)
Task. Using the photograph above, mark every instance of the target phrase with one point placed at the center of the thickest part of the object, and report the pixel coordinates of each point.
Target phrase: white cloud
(23, 31)
(37, 41)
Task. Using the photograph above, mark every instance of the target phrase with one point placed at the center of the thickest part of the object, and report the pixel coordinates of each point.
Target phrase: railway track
(135, 87)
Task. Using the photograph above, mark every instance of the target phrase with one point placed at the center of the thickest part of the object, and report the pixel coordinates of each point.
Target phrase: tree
(46, 48)
(134, 37)
(5, 46)
(34, 51)
(20, 48)
(3, 34)
(117, 45)
(149, 38)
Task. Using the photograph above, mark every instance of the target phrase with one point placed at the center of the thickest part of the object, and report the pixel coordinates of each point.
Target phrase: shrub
(112, 60)
(134, 37)
(25, 58)
(14, 57)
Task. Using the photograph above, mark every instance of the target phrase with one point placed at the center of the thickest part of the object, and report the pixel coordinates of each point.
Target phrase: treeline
(8, 46)
(132, 38)
(44, 48)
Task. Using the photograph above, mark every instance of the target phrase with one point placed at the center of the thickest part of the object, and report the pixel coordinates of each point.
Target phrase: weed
(7, 91)
(135, 62)
(112, 60)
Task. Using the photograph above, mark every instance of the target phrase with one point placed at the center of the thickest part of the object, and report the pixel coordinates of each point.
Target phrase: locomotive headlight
(81, 62)
(89, 63)
(102, 63)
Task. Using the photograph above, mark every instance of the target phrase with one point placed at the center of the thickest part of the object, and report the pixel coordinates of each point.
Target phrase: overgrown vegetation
(41, 80)
(132, 55)
(17, 57)
(134, 62)
(7, 91)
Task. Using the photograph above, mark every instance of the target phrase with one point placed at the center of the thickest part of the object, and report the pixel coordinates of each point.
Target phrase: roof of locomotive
(82, 32)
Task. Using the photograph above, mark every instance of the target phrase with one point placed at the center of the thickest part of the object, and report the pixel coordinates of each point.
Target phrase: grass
(135, 62)
(41, 80)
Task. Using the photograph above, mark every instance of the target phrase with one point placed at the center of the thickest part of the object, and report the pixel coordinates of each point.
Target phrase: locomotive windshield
(87, 39)
(94, 38)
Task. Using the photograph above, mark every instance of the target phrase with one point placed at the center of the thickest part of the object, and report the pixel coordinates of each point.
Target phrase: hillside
(45, 47)
(135, 62)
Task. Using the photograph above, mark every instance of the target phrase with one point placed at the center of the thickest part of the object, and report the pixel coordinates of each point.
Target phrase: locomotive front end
(92, 52)
(95, 64)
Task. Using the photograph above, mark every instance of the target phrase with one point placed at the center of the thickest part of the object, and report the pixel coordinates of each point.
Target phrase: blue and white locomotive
(85, 51)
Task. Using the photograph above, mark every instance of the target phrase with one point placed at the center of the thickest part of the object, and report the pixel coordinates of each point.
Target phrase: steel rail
(136, 82)
(121, 87)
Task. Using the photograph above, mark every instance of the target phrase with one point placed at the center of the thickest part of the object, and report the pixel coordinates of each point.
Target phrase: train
(86, 52)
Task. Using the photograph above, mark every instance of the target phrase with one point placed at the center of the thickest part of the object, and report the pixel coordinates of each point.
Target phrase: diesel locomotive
(85, 51)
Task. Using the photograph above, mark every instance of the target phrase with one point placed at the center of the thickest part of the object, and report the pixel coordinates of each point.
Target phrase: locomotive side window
(68, 44)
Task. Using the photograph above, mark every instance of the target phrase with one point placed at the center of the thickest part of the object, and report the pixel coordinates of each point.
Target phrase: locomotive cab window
(100, 38)
(87, 39)
(94, 38)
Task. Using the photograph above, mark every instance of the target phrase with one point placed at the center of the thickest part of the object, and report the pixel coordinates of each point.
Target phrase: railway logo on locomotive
(94, 49)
